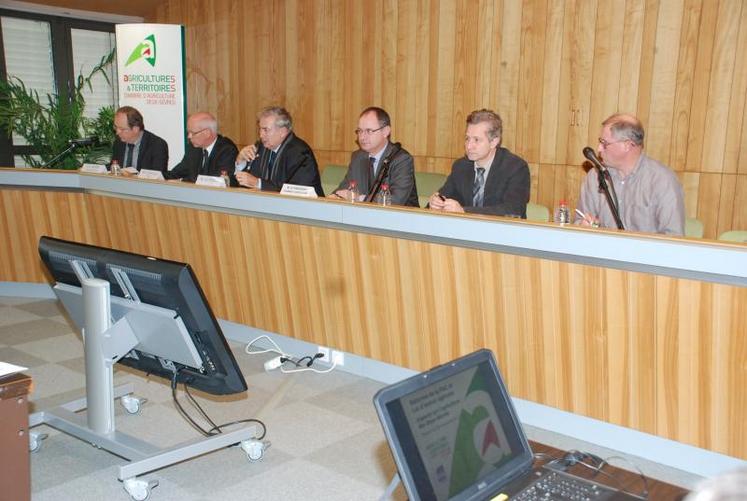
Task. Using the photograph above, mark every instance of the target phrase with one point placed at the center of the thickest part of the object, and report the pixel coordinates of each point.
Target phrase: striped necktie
(478, 192)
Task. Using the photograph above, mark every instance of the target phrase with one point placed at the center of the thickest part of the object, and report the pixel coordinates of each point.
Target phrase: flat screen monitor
(164, 284)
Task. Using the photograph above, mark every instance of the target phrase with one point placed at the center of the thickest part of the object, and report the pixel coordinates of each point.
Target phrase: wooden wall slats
(738, 103)
(552, 69)
(722, 77)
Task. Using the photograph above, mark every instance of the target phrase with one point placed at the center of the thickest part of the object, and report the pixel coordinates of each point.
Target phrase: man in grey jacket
(376, 150)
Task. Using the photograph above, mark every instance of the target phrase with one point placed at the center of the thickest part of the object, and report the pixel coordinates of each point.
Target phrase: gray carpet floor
(326, 441)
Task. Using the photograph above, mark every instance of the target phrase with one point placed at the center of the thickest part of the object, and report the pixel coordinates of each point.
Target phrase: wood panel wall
(554, 69)
(658, 354)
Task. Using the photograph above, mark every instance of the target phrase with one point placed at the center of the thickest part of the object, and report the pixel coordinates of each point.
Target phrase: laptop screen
(453, 430)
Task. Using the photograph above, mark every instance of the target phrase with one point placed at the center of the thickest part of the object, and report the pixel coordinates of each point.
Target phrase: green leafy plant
(48, 124)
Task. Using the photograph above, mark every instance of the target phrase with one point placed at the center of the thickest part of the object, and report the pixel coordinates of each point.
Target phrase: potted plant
(49, 124)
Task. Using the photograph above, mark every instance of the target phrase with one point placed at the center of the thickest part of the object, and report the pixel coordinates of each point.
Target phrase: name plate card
(150, 174)
(94, 169)
(297, 190)
(214, 181)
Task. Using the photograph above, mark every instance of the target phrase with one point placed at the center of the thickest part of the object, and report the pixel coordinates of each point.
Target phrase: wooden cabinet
(15, 478)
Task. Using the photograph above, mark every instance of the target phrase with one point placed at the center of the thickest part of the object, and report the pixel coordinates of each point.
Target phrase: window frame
(62, 65)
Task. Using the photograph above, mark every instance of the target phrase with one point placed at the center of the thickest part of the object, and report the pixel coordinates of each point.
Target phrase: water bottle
(115, 170)
(353, 190)
(384, 196)
(224, 175)
(563, 213)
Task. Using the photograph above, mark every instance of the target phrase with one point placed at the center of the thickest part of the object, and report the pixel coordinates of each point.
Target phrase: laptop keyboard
(555, 486)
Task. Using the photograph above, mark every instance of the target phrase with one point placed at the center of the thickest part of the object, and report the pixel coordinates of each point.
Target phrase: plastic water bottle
(563, 213)
(224, 175)
(353, 190)
(384, 196)
(114, 168)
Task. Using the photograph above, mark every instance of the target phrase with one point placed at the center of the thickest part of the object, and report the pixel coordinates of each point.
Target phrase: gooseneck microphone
(84, 141)
(591, 155)
(383, 172)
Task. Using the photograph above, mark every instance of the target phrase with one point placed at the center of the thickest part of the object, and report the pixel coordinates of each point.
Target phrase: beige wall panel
(531, 70)
(442, 142)
(690, 182)
(659, 121)
(578, 62)
(720, 90)
(725, 206)
(548, 134)
(684, 87)
(740, 202)
(631, 54)
(607, 74)
(648, 51)
(509, 60)
(735, 126)
(709, 188)
(701, 78)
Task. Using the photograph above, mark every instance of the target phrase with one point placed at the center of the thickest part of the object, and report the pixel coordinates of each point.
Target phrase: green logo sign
(145, 50)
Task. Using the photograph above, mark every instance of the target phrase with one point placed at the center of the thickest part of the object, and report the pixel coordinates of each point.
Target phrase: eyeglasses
(121, 129)
(191, 133)
(606, 143)
(367, 132)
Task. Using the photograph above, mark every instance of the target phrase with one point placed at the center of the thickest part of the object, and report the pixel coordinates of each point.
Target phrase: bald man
(650, 197)
(209, 153)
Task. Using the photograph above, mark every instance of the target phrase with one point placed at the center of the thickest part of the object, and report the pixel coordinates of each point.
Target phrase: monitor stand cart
(104, 344)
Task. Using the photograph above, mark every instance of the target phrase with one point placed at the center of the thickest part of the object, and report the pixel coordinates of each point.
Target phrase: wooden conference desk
(623, 479)
(638, 330)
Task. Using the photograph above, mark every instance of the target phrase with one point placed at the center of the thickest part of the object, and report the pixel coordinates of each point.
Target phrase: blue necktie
(128, 155)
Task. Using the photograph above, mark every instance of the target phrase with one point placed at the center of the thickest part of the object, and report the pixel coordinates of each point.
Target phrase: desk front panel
(659, 354)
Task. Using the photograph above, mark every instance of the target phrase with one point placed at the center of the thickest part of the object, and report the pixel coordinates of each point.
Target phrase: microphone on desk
(591, 156)
(84, 141)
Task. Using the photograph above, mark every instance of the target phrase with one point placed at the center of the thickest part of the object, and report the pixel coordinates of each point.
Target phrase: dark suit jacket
(401, 177)
(506, 188)
(153, 153)
(295, 164)
(223, 157)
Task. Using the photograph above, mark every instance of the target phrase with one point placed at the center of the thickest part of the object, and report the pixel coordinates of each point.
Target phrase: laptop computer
(455, 435)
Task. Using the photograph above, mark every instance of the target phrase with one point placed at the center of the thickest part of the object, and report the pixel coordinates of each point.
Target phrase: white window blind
(88, 49)
(28, 56)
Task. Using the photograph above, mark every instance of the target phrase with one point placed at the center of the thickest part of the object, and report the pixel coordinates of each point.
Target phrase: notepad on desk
(8, 369)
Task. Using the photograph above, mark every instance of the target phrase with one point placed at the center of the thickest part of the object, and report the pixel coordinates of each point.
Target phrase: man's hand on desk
(246, 179)
(437, 202)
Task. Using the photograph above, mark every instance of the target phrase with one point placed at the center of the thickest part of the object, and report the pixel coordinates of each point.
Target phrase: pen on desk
(583, 216)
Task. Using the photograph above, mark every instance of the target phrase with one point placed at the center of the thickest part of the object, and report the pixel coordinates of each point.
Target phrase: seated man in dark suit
(135, 146)
(209, 153)
(490, 179)
(279, 156)
(365, 164)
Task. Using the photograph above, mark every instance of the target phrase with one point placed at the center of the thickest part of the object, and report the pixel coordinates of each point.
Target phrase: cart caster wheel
(139, 490)
(132, 405)
(254, 449)
(35, 441)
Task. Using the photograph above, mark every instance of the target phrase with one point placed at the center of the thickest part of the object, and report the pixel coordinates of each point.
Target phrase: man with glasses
(279, 157)
(135, 146)
(489, 179)
(374, 129)
(648, 194)
(208, 154)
